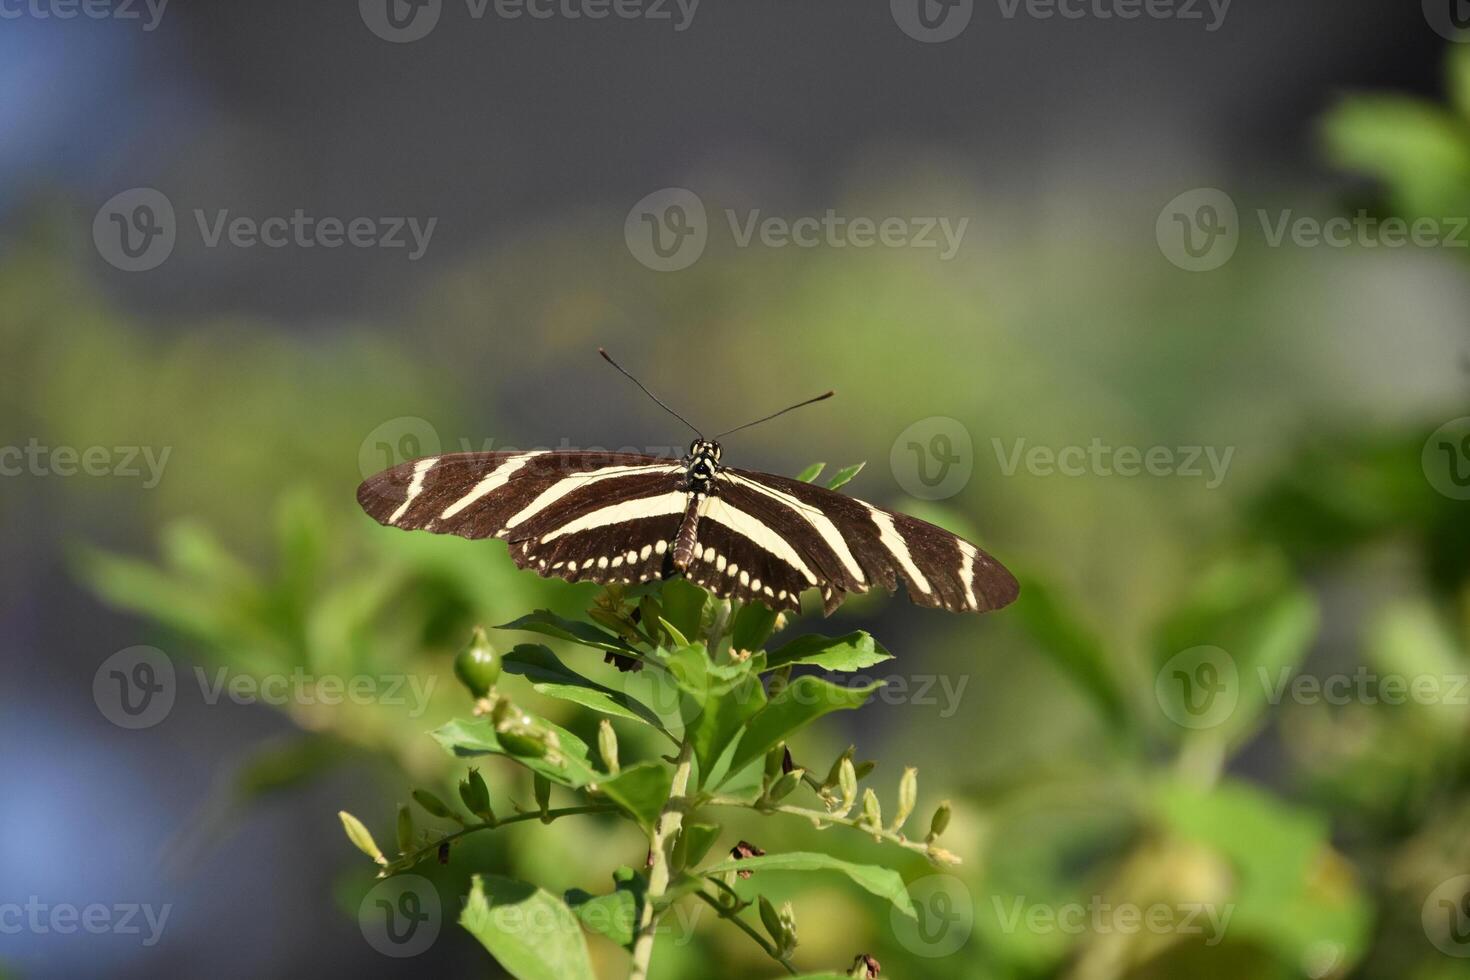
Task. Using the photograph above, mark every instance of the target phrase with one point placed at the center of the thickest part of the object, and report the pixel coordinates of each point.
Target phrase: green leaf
(641, 791)
(883, 882)
(1414, 146)
(676, 636)
(530, 932)
(551, 677)
(695, 840)
(801, 702)
(717, 701)
(569, 766)
(844, 476)
(550, 624)
(811, 472)
(1074, 648)
(853, 651)
(753, 625)
(683, 603)
(616, 914)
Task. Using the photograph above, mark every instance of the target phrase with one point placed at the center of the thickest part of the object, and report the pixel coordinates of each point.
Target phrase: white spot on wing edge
(415, 487)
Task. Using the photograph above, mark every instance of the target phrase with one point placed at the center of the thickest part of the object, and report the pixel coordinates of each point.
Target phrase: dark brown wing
(854, 546)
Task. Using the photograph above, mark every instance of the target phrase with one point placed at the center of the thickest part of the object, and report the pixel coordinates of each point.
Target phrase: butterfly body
(627, 517)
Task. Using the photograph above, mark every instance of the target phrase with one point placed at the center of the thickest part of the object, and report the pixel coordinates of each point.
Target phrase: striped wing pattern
(624, 517)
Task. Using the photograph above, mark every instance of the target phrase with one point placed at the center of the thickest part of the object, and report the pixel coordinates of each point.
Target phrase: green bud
(607, 744)
(405, 829)
(358, 833)
(939, 821)
(908, 795)
(835, 773)
(783, 786)
(522, 743)
(773, 762)
(847, 779)
(475, 795)
(434, 805)
(541, 786)
(788, 929)
(772, 921)
(872, 813)
(864, 769)
(478, 665)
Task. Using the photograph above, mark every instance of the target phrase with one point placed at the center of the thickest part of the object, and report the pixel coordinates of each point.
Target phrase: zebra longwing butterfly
(626, 517)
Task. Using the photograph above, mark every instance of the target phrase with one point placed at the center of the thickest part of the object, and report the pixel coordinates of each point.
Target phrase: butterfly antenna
(650, 394)
(822, 397)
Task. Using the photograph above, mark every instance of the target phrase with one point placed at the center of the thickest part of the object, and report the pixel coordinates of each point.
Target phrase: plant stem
(405, 861)
(818, 816)
(745, 927)
(660, 852)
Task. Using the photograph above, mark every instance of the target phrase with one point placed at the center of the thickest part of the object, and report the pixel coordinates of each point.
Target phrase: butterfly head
(704, 449)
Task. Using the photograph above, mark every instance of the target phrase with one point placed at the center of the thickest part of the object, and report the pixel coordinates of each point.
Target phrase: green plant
(699, 673)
